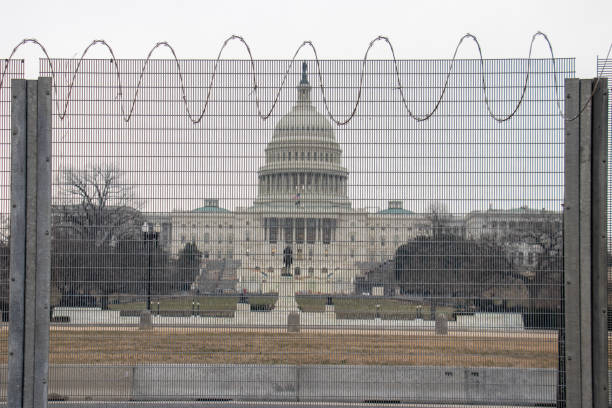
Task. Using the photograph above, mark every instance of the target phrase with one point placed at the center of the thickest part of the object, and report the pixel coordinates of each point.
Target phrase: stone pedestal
(146, 321)
(441, 324)
(293, 322)
(286, 296)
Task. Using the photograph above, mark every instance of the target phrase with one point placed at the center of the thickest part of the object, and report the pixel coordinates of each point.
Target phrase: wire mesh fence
(604, 67)
(14, 70)
(387, 259)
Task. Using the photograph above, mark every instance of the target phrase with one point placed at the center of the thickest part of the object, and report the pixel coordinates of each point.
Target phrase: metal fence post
(585, 243)
(18, 240)
(43, 238)
(599, 179)
(30, 236)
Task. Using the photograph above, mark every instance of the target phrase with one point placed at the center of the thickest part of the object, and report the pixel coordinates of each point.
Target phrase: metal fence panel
(426, 259)
(12, 70)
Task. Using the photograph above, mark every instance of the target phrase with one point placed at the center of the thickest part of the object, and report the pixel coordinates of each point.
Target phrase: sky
(339, 29)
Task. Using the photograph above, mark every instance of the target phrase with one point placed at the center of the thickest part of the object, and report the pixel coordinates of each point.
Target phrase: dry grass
(185, 346)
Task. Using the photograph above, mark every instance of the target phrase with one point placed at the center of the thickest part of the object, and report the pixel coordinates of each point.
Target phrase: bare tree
(98, 206)
(96, 232)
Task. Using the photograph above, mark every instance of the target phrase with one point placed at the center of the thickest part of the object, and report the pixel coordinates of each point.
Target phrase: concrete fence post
(30, 243)
(585, 231)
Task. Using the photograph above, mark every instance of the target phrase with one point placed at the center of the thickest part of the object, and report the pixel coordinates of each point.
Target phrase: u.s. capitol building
(301, 202)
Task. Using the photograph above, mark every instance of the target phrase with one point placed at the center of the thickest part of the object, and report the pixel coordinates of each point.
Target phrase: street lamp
(150, 234)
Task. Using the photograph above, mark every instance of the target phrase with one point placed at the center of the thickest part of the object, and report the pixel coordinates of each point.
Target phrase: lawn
(232, 346)
(345, 307)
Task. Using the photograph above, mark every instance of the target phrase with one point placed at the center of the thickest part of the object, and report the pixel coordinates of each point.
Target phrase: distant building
(523, 232)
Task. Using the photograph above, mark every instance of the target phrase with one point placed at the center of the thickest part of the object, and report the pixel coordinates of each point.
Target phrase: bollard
(293, 323)
(441, 324)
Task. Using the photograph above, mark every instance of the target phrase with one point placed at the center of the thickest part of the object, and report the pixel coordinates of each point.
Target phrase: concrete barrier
(215, 382)
(304, 383)
(417, 384)
(427, 384)
(83, 382)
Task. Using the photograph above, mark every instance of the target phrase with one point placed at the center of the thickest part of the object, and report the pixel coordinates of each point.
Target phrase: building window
(270, 270)
(299, 231)
(324, 272)
(300, 254)
(352, 237)
(273, 233)
(530, 258)
(352, 252)
(327, 228)
(326, 252)
(288, 230)
(182, 239)
(297, 271)
(382, 241)
(310, 253)
(247, 236)
(206, 254)
(273, 251)
(206, 237)
(311, 230)
(310, 271)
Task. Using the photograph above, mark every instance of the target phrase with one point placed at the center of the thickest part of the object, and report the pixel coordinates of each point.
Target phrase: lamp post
(150, 235)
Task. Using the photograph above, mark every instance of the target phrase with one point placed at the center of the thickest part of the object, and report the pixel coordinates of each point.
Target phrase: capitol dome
(303, 160)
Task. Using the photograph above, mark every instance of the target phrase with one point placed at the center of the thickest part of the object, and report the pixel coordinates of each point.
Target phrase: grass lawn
(228, 346)
(346, 307)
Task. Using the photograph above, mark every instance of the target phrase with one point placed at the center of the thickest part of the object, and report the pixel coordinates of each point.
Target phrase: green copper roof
(395, 211)
(210, 209)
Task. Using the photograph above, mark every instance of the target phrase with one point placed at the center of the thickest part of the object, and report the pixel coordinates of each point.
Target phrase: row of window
(304, 156)
(297, 271)
(299, 239)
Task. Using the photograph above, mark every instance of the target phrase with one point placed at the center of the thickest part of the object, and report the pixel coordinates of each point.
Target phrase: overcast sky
(339, 29)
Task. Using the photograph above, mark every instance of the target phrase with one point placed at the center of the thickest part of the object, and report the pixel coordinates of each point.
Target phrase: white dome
(303, 159)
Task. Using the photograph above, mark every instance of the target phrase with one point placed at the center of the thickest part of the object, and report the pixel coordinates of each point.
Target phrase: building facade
(302, 203)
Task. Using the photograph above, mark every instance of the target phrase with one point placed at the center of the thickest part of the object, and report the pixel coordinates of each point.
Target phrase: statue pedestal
(286, 295)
